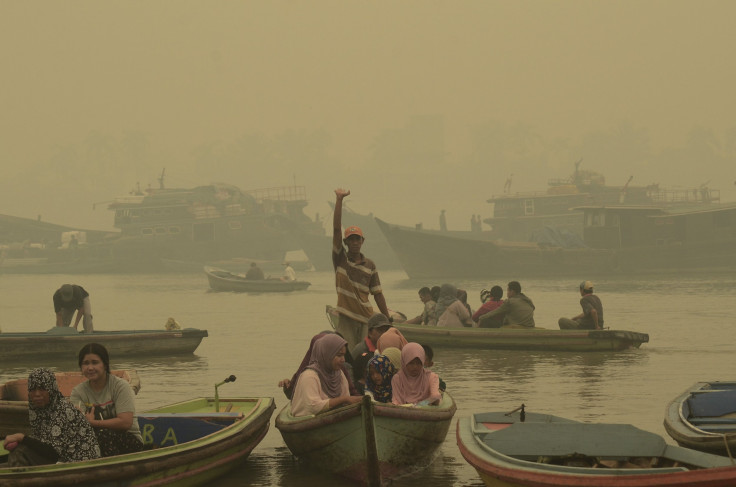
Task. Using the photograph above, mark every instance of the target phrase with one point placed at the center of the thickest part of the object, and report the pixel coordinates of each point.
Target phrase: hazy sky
(189, 73)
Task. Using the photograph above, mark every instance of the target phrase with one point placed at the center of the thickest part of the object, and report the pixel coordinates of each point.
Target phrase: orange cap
(353, 231)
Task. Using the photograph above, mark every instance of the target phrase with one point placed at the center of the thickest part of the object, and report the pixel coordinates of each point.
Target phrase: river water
(262, 338)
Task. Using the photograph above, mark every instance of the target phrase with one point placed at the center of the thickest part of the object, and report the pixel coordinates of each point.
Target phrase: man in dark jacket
(364, 351)
(517, 310)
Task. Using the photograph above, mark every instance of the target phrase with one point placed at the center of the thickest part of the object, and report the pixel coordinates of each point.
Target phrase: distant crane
(161, 179)
(625, 187)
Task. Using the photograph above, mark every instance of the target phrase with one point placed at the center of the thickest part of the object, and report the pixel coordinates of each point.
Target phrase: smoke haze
(415, 106)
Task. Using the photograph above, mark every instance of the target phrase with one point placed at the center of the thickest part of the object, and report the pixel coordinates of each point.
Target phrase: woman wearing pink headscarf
(414, 384)
(322, 385)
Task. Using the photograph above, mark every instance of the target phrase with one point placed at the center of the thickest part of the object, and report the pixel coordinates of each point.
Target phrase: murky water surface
(262, 338)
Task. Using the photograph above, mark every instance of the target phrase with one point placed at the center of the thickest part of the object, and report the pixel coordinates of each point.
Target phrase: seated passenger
(109, 403)
(378, 324)
(379, 373)
(59, 431)
(391, 338)
(288, 384)
(451, 312)
(323, 386)
(255, 273)
(394, 355)
(517, 310)
(429, 362)
(428, 316)
(489, 304)
(414, 384)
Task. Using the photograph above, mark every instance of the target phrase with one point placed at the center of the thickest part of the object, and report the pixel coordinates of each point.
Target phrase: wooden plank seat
(700, 420)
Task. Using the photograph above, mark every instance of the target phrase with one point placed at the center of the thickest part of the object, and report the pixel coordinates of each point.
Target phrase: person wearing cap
(378, 324)
(592, 316)
(356, 278)
(289, 274)
(517, 310)
(68, 299)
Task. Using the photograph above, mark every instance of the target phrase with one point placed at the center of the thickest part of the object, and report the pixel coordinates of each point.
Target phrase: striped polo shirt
(354, 282)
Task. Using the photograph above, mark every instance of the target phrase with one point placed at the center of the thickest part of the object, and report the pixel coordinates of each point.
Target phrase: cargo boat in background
(197, 226)
(552, 216)
(618, 239)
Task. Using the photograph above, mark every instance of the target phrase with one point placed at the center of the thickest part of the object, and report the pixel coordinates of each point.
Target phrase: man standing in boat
(592, 316)
(356, 277)
(68, 299)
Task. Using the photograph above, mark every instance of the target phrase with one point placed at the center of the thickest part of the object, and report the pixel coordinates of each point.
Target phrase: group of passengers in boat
(326, 378)
(447, 306)
(98, 420)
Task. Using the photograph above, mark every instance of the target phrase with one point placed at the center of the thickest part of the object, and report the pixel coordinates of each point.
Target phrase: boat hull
(189, 463)
(406, 438)
(512, 458)
(704, 417)
(426, 255)
(65, 342)
(524, 339)
(222, 280)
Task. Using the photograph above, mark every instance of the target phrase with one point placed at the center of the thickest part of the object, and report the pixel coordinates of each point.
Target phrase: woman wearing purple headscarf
(322, 385)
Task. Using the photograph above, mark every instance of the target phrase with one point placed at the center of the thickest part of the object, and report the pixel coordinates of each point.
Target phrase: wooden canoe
(524, 338)
(64, 341)
(368, 442)
(14, 397)
(191, 445)
(704, 417)
(516, 338)
(222, 280)
(549, 451)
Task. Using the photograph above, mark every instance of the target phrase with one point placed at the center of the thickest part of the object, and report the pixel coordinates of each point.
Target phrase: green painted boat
(524, 338)
(14, 397)
(192, 444)
(516, 338)
(368, 442)
(704, 417)
(64, 341)
(542, 450)
(222, 280)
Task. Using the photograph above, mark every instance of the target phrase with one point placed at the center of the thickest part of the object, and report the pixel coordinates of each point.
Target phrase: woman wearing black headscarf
(59, 431)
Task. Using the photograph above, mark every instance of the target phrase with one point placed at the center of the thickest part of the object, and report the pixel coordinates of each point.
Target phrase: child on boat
(429, 362)
(414, 384)
(379, 373)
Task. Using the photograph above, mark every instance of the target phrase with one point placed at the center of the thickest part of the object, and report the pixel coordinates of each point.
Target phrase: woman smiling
(108, 403)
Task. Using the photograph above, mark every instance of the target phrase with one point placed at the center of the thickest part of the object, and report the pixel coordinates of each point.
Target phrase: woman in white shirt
(322, 386)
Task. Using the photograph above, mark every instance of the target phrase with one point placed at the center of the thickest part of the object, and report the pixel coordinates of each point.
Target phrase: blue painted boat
(703, 417)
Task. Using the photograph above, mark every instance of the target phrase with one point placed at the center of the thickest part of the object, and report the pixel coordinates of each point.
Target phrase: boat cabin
(620, 227)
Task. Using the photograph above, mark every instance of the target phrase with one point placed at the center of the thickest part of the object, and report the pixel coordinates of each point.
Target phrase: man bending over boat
(68, 299)
(517, 310)
(592, 316)
(355, 278)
